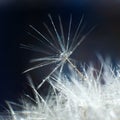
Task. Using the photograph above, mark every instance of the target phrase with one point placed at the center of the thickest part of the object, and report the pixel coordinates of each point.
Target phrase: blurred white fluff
(73, 98)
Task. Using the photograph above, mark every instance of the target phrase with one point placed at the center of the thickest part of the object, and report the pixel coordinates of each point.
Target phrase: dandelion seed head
(63, 47)
(65, 55)
(71, 96)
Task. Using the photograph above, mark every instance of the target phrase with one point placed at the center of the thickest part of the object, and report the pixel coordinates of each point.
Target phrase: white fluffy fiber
(93, 94)
(73, 98)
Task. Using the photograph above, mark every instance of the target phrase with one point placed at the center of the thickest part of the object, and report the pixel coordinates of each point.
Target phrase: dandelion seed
(70, 98)
(66, 48)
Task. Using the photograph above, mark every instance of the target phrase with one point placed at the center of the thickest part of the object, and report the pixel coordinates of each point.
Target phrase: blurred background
(15, 17)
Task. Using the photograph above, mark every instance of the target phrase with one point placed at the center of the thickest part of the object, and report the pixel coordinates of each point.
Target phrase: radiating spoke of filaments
(58, 36)
(39, 66)
(48, 76)
(81, 40)
(75, 68)
(76, 33)
(52, 36)
(11, 111)
(62, 31)
(43, 37)
(44, 59)
(34, 48)
(69, 30)
(49, 46)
